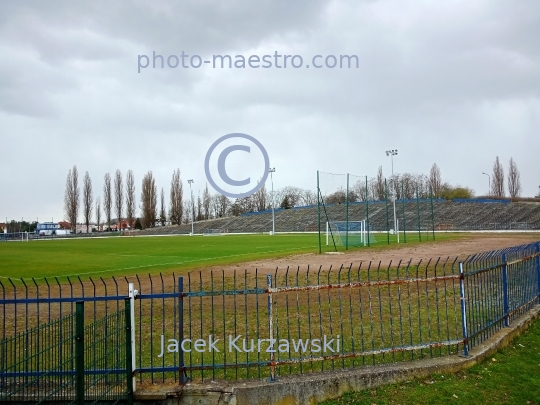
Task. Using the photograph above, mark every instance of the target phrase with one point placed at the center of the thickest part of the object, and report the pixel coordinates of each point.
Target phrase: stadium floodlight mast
(190, 181)
(272, 170)
(392, 153)
(489, 183)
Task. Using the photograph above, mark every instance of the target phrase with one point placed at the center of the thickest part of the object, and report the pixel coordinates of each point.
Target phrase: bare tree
(176, 205)
(435, 180)
(514, 181)
(130, 199)
(309, 198)
(221, 204)
(394, 186)
(294, 195)
(162, 213)
(215, 205)
(118, 197)
(199, 208)
(422, 185)
(71, 197)
(149, 200)
(380, 193)
(186, 219)
(98, 213)
(88, 200)
(408, 186)
(260, 199)
(337, 197)
(244, 204)
(107, 199)
(206, 200)
(497, 181)
(359, 189)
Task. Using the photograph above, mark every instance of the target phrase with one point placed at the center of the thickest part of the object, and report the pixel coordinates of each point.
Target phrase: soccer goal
(351, 233)
(14, 237)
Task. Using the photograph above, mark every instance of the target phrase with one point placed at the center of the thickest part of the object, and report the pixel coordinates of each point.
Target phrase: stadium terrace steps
(449, 215)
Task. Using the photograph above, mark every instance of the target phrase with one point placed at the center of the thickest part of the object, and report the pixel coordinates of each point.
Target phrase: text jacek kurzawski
(243, 345)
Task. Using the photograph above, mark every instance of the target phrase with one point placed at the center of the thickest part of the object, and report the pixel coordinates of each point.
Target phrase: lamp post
(392, 153)
(272, 170)
(192, 206)
(489, 183)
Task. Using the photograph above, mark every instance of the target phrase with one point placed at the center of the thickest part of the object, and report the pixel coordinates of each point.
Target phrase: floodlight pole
(192, 206)
(489, 183)
(272, 170)
(392, 153)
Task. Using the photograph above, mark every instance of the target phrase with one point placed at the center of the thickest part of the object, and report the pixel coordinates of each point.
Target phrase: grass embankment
(512, 376)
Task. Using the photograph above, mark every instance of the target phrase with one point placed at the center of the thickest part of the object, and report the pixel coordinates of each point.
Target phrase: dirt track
(463, 247)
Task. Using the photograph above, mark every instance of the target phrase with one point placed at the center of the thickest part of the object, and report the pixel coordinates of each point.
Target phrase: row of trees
(207, 206)
(119, 201)
(404, 185)
(119, 198)
(497, 179)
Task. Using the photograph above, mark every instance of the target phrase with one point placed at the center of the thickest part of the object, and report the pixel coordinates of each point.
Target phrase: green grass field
(512, 376)
(130, 255)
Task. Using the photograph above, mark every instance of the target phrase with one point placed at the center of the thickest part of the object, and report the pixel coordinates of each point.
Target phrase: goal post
(391, 206)
(355, 232)
(342, 201)
(15, 237)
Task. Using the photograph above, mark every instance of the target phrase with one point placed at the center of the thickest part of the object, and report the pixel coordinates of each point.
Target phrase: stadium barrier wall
(368, 313)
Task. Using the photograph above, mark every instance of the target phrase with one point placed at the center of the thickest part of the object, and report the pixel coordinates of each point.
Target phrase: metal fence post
(79, 353)
(271, 327)
(347, 215)
(505, 290)
(463, 310)
(418, 213)
(387, 219)
(367, 213)
(132, 293)
(403, 209)
(318, 212)
(183, 375)
(129, 352)
(538, 268)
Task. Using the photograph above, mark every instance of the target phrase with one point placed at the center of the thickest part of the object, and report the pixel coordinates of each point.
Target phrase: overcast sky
(451, 82)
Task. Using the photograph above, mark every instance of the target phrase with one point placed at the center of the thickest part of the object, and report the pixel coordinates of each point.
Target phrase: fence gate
(68, 362)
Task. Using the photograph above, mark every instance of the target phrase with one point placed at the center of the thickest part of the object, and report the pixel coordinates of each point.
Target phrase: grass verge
(512, 376)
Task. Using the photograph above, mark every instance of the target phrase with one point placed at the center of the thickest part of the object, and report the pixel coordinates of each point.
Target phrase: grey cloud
(443, 82)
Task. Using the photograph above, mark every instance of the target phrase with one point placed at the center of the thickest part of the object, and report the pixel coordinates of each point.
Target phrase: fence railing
(68, 362)
(33, 363)
(221, 325)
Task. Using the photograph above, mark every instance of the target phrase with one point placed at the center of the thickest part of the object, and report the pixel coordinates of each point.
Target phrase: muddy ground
(463, 247)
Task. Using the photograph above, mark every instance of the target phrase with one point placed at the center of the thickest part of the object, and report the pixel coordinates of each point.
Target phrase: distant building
(124, 225)
(81, 228)
(64, 225)
(47, 228)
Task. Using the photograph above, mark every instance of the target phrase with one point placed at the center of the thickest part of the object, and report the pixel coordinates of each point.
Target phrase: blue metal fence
(220, 325)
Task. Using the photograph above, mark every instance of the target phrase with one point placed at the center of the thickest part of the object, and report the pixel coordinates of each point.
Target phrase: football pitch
(131, 255)
(118, 256)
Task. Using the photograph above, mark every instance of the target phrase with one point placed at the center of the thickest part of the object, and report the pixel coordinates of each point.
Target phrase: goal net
(387, 206)
(352, 233)
(14, 236)
(342, 201)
